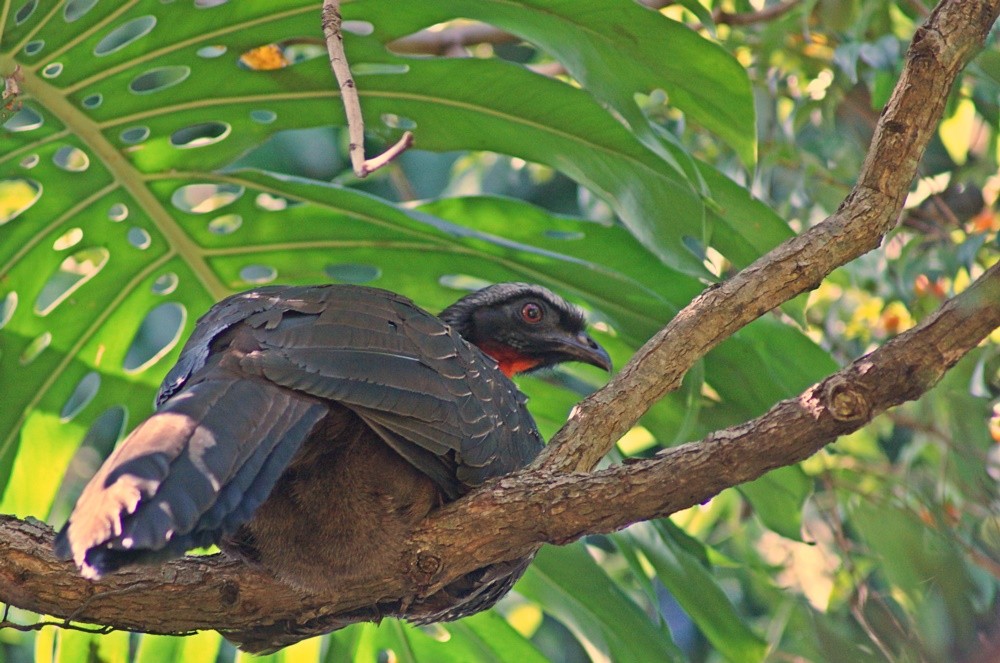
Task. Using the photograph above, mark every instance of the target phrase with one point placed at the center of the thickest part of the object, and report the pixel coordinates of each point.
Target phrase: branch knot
(844, 401)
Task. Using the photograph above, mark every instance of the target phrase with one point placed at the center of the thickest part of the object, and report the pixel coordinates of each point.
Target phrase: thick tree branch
(554, 501)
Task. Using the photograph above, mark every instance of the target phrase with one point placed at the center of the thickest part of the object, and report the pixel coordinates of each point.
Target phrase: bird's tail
(188, 475)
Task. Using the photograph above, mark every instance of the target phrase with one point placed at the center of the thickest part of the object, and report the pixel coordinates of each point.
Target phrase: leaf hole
(73, 272)
(118, 212)
(258, 274)
(52, 70)
(200, 135)
(263, 116)
(273, 203)
(359, 28)
(394, 121)
(83, 393)
(30, 161)
(68, 239)
(134, 135)
(26, 119)
(205, 198)
(34, 47)
(75, 9)
(157, 335)
(226, 224)
(71, 159)
(165, 284)
(564, 234)
(353, 272)
(124, 35)
(278, 55)
(463, 282)
(158, 79)
(102, 436)
(97, 444)
(92, 101)
(207, 4)
(35, 348)
(213, 51)
(25, 12)
(139, 238)
(377, 68)
(7, 308)
(17, 194)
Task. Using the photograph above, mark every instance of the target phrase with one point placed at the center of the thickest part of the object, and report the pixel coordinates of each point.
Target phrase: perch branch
(512, 515)
(349, 94)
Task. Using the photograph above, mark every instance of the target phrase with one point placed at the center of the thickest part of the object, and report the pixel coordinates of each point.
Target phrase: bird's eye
(531, 313)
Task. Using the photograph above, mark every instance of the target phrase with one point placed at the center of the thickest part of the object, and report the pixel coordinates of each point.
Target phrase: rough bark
(559, 499)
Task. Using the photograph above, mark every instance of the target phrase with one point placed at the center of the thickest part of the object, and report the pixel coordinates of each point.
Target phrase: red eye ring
(532, 313)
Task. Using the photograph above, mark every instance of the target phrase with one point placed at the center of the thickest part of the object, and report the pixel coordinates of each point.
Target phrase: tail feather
(189, 474)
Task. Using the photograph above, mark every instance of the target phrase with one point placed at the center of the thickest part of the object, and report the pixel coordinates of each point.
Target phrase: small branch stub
(844, 401)
(349, 94)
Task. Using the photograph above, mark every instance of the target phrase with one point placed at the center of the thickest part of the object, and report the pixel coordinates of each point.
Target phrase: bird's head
(524, 327)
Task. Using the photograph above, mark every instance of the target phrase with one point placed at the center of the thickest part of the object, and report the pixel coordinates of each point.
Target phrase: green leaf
(742, 227)
(746, 374)
(202, 647)
(616, 50)
(485, 637)
(698, 592)
(778, 498)
(74, 646)
(699, 10)
(568, 584)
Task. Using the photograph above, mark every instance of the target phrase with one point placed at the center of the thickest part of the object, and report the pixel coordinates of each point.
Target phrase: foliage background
(164, 153)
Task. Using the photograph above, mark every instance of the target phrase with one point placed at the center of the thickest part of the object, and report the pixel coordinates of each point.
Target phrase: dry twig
(349, 94)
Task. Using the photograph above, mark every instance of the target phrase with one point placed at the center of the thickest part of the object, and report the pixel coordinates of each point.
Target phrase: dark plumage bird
(309, 429)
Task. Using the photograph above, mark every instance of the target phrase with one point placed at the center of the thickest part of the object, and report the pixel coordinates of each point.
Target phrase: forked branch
(349, 95)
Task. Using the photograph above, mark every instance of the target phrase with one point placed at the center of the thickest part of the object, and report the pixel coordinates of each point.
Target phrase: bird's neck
(509, 360)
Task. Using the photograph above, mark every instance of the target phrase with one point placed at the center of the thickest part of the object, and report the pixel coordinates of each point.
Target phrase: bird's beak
(581, 347)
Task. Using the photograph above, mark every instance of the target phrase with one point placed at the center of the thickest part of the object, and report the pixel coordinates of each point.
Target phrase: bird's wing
(437, 400)
(223, 317)
(194, 471)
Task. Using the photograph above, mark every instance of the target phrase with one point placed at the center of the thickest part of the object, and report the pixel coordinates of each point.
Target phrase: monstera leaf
(123, 218)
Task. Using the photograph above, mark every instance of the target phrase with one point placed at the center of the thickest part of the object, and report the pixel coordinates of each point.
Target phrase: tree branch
(749, 18)
(349, 95)
(940, 49)
(554, 500)
(452, 41)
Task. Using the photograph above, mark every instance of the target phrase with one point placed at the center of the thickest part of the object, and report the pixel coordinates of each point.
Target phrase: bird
(307, 430)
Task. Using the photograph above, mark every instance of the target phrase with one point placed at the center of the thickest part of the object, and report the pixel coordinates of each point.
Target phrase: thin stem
(349, 93)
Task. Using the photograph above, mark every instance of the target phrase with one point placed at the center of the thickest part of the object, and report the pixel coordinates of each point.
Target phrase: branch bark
(349, 95)
(558, 499)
